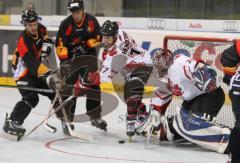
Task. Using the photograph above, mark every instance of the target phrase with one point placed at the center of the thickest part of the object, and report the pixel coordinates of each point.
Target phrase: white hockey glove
(46, 48)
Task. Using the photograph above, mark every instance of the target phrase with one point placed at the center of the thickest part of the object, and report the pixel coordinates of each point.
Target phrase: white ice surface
(44, 147)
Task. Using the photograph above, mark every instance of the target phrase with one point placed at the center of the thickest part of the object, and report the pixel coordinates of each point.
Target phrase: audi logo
(156, 24)
(230, 26)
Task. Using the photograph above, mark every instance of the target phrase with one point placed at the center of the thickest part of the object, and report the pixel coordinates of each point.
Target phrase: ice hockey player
(79, 36)
(29, 71)
(230, 60)
(122, 53)
(197, 83)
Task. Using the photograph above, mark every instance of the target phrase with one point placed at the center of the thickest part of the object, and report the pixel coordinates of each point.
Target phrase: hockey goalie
(197, 84)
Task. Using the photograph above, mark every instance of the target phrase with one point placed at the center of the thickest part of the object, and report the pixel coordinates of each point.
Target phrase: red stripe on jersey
(69, 31)
(22, 48)
(112, 52)
(187, 69)
(238, 46)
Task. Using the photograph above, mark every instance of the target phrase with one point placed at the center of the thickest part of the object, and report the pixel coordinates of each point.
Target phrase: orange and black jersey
(26, 59)
(70, 35)
(230, 59)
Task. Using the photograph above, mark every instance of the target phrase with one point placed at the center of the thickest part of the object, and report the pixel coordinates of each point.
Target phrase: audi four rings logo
(230, 26)
(156, 24)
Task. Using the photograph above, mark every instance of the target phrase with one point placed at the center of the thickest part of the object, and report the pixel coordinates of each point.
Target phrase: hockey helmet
(75, 5)
(109, 28)
(29, 16)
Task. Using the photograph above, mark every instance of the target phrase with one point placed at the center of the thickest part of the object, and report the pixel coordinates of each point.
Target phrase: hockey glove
(46, 48)
(52, 80)
(94, 78)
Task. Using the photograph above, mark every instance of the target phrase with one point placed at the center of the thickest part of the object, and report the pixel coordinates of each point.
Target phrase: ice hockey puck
(121, 141)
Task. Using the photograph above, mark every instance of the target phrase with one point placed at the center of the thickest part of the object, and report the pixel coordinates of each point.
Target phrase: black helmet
(109, 28)
(75, 5)
(29, 16)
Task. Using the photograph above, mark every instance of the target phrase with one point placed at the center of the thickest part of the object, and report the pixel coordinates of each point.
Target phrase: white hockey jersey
(124, 55)
(179, 82)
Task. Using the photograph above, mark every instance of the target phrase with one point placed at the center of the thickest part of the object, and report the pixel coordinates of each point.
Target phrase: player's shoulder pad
(20, 36)
(40, 25)
(42, 29)
(89, 16)
(65, 22)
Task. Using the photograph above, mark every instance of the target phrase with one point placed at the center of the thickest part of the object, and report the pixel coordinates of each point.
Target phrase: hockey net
(210, 50)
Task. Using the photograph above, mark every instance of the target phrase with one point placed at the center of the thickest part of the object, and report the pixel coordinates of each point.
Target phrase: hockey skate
(130, 127)
(13, 128)
(99, 123)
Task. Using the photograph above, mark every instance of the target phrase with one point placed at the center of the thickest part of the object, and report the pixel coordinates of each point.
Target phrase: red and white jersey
(179, 82)
(180, 78)
(124, 55)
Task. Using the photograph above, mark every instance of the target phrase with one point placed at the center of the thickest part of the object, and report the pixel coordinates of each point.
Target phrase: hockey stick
(71, 131)
(31, 89)
(47, 126)
(51, 114)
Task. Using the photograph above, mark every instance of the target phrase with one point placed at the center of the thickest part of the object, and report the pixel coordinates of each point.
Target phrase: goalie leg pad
(201, 132)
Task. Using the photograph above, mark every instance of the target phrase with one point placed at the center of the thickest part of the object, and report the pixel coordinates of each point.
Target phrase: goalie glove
(205, 77)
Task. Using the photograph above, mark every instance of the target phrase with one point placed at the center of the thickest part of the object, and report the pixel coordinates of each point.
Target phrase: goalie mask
(162, 60)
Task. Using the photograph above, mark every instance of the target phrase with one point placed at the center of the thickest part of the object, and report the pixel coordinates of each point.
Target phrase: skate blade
(11, 137)
(130, 140)
(102, 129)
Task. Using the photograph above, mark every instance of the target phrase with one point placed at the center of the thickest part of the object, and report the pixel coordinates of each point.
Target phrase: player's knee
(133, 87)
(31, 100)
(21, 111)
